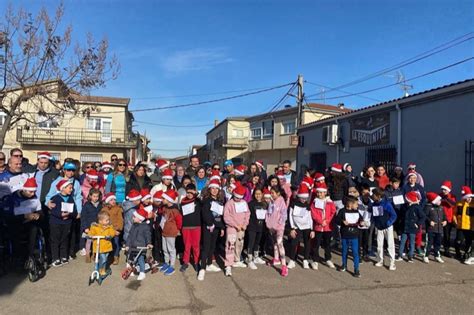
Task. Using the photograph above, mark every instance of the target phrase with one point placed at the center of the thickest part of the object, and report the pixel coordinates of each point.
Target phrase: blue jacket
(56, 217)
(76, 193)
(413, 215)
(128, 208)
(389, 215)
(139, 236)
(89, 214)
(116, 183)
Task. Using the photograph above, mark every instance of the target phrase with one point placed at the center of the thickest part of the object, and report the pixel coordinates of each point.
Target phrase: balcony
(75, 137)
(236, 143)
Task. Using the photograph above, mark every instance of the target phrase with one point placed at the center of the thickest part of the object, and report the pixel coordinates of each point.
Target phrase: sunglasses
(2, 159)
(17, 155)
(113, 160)
(88, 167)
(121, 164)
(216, 168)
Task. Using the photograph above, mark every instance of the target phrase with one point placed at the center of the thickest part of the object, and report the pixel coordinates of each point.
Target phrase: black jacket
(436, 214)
(413, 217)
(192, 219)
(209, 217)
(351, 230)
(89, 214)
(133, 183)
(256, 225)
(139, 235)
(48, 178)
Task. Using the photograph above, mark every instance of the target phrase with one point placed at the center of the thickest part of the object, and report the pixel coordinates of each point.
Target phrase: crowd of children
(242, 216)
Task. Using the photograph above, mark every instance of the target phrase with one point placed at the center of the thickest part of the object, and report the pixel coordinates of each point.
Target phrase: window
(93, 124)
(289, 127)
(256, 133)
(47, 122)
(55, 156)
(3, 116)
(91, 158)
(237, 133)
(267, 128)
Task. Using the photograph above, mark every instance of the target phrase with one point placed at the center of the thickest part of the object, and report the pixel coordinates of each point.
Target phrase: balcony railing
(76, 137)
(236, 142)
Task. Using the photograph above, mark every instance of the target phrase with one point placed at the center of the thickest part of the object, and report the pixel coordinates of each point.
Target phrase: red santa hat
(308, 181)
(259, 163)
(109, 196)
(134, 195)
(63, 183)
(336, 167)
(318, 177)
(140, 214)
(412, 197)
(145, 193)
(30, 184)
(411, 165)
(321, 187)
(105, 165)
(344, 167)
(215, 184)
(171, 195)
(412, 173)
(466, 192)
(167, 174)
(158, 196)
(303, 191)
(266, 193)
(280, 175)
(162, 164)
(233, 185)
(447, 185)
(433, 198)
(240, 170)
(44, 155)
(92, 175)
(215, 174)
(239, 191)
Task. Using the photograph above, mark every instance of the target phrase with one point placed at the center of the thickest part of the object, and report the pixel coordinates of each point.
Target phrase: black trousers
(208, 245)
(158, 245)
(254, 239)
(59, 239)
(294, 242)
(74, 236)
(323, 239)
(447, 229)
(364, 241)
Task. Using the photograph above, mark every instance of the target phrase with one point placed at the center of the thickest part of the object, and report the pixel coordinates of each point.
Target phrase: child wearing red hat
(89, 215)
(435, 221)
(131, 204)
(115, 212)
(465, 225)
(171, 224)
(158, 254)
(448, 202)
(140, 236)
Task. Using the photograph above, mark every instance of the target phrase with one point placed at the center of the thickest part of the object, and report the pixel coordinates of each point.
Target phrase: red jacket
(449, 205)
(319, 215)
(383, 181)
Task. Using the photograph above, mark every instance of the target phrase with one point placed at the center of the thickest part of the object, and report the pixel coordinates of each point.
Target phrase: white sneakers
(439, 259)
(330, 264)
(82, 252)
(314, 265)
(291, 264)
(213, 268)
(252, 265)
(259, 261)
(305, 264)
(392, 266)
(201, 274)
(426, 260)
(239, 264)
(469, 261)
(379, 263)
(141, 276)
(228, 271)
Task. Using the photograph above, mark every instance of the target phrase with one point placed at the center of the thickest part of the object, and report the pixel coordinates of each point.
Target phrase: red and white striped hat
(308, 181)
(412, 173)
(466, 192)
(44, 155)
(266, 193)
(433, 198)
(412, 197)
(167, 174)
(171, 195)
(30, 184)
(214, 184)
(336, 167)
(303, 191)
(411, 165)
(134, 195)
(63, 183)
(105, 165)
(259, 163)
(158, 196)
(145, 193)
(140, 213)
(239, 191)
(215, 174)
(240, 170)
(318, 177)
(321, 187)
(92, 174)
(447, 185)
(280, 175)
(162, 164)
(109, 196)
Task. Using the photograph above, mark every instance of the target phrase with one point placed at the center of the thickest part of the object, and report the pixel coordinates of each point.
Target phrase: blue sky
(176, 48)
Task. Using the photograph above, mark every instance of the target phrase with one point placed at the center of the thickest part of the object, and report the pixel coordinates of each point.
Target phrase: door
(106, 129)
(317, 161)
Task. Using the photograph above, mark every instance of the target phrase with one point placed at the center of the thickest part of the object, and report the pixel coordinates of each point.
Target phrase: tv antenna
(401, 81)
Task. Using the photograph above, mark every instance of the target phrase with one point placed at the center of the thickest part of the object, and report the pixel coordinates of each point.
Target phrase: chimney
(340, 105)
(216, 122)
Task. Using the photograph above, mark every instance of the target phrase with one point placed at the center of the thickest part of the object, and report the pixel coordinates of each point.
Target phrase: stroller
(36, 264)
(95, 275)
(132, 262)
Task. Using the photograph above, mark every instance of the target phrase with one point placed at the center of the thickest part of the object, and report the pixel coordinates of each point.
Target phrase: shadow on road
(10, 281)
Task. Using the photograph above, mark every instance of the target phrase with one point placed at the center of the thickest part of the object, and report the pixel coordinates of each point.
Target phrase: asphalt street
(412, 288)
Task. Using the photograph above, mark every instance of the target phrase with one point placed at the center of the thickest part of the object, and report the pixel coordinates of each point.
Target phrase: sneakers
(72, 256)
(330, 264)
(357, 274)
(259, 261)
(469, 261)
(184, 267)
(419, 251)
(439, 259)
(291, 264)
(239, 264)
(426, 260)
(228, 271)
(276, 262)
(305, 264)
(141, 276)
(252, 265)
(57, 263)
(169, 271)
(342, 269)
(284, 271)
(379, 263)
(213, 268)
(392, 266)
(399, 258)
(314, 265)
(64, 261)
(410, 260)
(201, 274)
(164, 267)
(82, 252)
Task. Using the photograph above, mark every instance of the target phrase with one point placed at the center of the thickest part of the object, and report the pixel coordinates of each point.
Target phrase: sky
(169, 50)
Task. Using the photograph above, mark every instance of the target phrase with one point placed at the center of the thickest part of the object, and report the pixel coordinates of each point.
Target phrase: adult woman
(86, 166)
(250, 185)
(116, 180)
(200, 179)
(138, 179)
(369, 178)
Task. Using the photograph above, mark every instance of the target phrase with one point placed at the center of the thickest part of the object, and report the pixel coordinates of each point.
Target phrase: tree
(40, 66)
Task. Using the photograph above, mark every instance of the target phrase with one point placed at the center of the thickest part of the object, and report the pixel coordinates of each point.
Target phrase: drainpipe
(337, 144)
(399, 134)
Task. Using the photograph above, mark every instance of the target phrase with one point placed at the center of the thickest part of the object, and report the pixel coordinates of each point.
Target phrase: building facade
(433, 129)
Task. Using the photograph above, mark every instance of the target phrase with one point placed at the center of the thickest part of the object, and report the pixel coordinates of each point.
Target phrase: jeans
(403, 241)
(434, 239)
(141, 262)
(103, 260)
(354, 244)
(116, 245)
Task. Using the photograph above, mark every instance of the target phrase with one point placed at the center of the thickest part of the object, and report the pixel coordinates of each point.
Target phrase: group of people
(201, 214)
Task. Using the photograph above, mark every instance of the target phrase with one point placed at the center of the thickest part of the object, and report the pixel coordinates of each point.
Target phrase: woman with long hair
(138, 179)
(116, 180)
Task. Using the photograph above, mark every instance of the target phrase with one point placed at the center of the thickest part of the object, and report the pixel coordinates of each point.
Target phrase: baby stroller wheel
(32, 276)
(126, 273)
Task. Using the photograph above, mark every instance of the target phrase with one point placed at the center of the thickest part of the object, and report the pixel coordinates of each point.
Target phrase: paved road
(412, 288)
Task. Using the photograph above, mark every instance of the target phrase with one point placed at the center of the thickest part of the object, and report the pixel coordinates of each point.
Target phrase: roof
(449, 88)
(324, 108)
(232, 118)
(103, 100)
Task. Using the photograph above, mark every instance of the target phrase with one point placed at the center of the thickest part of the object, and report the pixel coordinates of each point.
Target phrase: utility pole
(300, 100)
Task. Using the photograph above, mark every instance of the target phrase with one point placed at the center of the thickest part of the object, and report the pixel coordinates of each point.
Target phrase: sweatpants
(208, 246)
(467, 236)
(233, 245)
(388, 235)
(322, 239)
(169, 250)
(73, 236)
(192, 241)
(354, 244)
(433, 240)
(294, 243)
(59, 239)
(253, 245)
(278, 247)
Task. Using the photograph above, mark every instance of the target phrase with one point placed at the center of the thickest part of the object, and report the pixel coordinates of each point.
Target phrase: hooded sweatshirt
(277, 214)
(232, 218)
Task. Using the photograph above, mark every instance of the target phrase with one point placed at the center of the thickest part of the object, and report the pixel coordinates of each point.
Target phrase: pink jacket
(234, 219)
(327, 214)
(86, 187)
(277, 214)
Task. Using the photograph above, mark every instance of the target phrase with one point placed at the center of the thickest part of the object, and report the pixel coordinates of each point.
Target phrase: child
(435, 222)
(212, 226)
(258, 209)
(275, 220)
(171, 223)
(365, 227)
(116, 219)
(383, 218)
(139, 236)
(60, 221)
(236, 218)
(323, 211)
(349, 219)
(102, 228)
(465, 226)
(91, 180)
(301, 225)
(191, 211)
(89, 215)
(394, 194)
(129, 206)
(413, 218)
(448, 202)
(158, 254)
(147, 202)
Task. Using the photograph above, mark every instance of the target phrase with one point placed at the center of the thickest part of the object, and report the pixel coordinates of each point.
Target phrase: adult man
(290, 175)
(3, 163)
(13, 178)
(44, 174)
(178, 178)
(193, 166)
(113, 159)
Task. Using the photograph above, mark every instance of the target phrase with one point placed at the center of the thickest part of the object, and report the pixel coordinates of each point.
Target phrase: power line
(204, 102)
(342, 91)
(424, 55)
(282, 99)
(173, 126)
(407, 80)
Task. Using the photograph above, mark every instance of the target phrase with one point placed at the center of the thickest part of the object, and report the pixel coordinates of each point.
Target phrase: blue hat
(69, 166)
(228, 162)
(207, 163)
